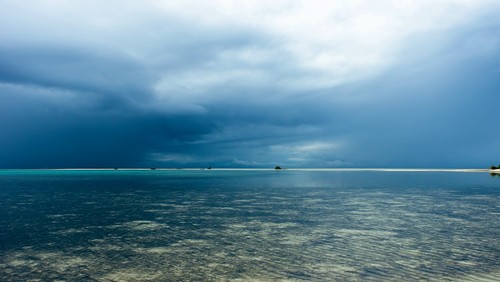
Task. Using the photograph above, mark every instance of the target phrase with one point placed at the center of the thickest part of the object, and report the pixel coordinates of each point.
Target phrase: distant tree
(277, 167)
(493, 167)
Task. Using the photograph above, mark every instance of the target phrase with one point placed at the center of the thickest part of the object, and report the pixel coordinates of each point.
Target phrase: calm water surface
(248, 225)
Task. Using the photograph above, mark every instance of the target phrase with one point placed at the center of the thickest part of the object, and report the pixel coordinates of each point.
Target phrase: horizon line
(387, 169)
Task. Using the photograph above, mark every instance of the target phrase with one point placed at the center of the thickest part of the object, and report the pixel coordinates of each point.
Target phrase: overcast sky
(249, 83)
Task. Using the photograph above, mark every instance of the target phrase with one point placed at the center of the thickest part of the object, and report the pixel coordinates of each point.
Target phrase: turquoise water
(250, 225)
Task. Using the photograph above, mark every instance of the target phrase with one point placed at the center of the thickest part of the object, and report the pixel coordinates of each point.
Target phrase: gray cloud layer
(301, 84)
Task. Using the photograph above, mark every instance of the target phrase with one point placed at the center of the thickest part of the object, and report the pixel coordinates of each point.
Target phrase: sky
(313, 83)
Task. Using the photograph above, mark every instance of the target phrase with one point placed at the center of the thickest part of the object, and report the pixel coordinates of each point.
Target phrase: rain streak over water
(248, 225)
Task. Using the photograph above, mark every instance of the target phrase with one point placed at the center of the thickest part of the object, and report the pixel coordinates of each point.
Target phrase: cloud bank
(249, 83)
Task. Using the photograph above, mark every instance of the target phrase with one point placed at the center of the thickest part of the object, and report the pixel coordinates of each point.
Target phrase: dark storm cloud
(42, 133)
(148, 84)
(431, 122)
(105, 81)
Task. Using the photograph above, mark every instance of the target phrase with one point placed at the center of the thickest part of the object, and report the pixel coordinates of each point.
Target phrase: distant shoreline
(272, 169)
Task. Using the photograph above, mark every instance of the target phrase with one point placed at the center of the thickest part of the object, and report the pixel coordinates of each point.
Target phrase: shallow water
(248, 225)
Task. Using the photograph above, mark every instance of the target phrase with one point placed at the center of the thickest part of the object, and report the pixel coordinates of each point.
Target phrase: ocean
(218, 225)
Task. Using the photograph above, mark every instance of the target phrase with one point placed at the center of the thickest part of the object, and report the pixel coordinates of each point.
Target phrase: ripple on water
(320, 234)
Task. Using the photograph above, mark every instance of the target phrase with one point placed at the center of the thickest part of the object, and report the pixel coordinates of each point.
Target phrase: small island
(495, 170)
(277, 167)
